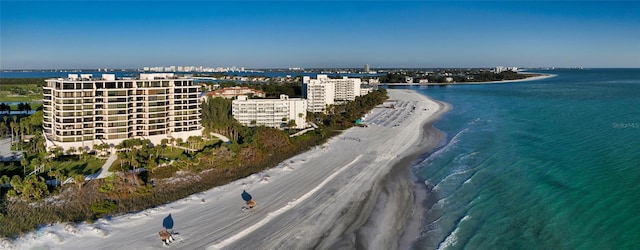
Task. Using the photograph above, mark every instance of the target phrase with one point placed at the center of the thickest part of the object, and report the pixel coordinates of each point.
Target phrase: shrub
(103, 207)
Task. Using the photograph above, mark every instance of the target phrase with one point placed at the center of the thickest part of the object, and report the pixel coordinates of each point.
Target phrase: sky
(310, 34)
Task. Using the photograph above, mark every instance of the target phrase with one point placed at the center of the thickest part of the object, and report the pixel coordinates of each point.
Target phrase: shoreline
(540, 76)
(335, 193)
(393, 191)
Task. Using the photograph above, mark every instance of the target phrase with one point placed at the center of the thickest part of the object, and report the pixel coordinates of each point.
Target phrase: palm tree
(81, 151)
(48, 163)
(79, 180)
(35, 162)
(151, 164)
(71, 150)
(133, 160)
(163, 143)
(3, 128)
(24, 163)
(21, 128)
(13, 127)
(5, 118)
(56, 174)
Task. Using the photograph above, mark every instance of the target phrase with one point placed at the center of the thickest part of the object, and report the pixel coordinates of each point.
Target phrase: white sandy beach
(324, 198)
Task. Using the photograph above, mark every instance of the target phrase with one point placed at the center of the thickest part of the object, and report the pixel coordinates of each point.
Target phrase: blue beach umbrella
(167, 223)
(246, 196)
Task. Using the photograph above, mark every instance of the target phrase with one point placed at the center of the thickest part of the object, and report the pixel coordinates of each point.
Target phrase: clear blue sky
(264, 34)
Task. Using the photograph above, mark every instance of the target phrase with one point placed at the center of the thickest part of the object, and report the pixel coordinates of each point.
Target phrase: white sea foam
(451, 144)
(465, 218)
(468, 180)
(450, 240)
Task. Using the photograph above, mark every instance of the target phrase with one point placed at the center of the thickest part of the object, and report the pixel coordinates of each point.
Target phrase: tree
(3, 128)
(164, 142)
(48, 163)
(5, 118)
(57, 175)
(24, 163)
(78, 179)
(71, 150)
(6, 108)
(81, 151)
(21, 128)
(172, 140)
(13, 127)
(151, 164)
(292, 124)
(133, 159)
(26, 107)
(34, 187)
(16, 186)
(57, 151)
(35, 163)
(4, 180)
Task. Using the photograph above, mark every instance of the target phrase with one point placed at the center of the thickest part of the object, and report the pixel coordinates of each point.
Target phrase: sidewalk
(103, 173)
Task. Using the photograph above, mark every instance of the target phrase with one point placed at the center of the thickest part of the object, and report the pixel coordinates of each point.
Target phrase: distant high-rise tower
(366, 68)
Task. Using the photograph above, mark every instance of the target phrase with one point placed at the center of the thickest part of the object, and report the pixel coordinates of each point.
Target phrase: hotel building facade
(276, 113)
(324, 91)
(82, 111)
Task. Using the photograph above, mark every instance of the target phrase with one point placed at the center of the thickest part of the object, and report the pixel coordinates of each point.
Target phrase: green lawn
(9, 169)
(85, 167)
(21, 98)
(171, 152)
(89, 166)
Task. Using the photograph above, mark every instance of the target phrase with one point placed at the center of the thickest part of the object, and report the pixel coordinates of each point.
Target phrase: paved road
(5, 151)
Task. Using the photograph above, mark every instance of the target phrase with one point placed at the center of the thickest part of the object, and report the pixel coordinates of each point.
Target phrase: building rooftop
(112, 77)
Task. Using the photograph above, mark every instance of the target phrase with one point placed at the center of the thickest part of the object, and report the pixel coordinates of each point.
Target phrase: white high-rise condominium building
(82, 111)
(325, 91)
(276, 113)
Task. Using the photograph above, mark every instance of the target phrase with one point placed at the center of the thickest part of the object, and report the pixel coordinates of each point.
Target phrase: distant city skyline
(308, 34)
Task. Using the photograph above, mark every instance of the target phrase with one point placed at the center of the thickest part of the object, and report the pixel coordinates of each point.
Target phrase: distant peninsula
(457, 76)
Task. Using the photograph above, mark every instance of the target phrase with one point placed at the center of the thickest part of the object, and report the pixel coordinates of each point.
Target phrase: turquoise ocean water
(547, 164)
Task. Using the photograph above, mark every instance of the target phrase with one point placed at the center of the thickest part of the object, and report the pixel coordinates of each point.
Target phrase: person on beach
(165, 237)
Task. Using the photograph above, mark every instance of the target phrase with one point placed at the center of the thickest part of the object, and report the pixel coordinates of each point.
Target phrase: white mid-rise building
(365, 90)
(324, 91)
(318, 94)
(276, 113)
(82, 111)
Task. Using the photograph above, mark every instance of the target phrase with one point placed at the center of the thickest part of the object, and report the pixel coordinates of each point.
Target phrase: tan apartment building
(82, 111)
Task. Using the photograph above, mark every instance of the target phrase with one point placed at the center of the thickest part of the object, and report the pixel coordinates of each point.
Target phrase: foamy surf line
(280, 211)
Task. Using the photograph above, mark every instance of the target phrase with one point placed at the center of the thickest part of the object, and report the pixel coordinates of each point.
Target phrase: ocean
(546, 164)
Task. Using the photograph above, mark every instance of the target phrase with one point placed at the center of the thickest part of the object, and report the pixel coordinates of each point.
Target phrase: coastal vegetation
(451, 75)
(147, 175)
